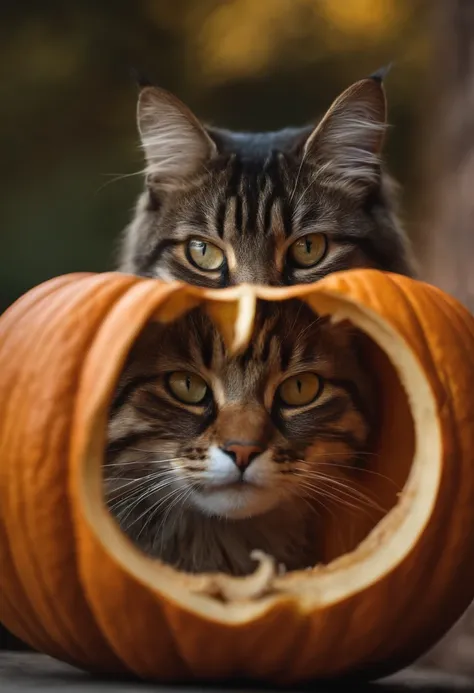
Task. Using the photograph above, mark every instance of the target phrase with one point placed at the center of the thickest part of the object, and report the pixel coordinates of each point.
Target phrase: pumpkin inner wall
(341, 529)
(389, 468)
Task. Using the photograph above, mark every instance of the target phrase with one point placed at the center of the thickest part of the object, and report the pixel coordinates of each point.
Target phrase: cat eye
(187, 387)
(301, 389)
(308, 250)
(204, 255)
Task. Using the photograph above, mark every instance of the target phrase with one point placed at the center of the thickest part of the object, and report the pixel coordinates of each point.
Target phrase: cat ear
(175, 143)
(346, 144)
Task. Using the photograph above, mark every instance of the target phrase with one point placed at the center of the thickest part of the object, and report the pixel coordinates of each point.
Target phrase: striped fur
(253, 195)
(173, 488)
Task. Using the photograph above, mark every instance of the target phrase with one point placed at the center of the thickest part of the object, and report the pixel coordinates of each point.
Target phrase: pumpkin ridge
(420, 334)
(459, 312)
(448, 414)
(100, 284)
(440, 306)
(66, 297)
(16, 621)
(27, 302)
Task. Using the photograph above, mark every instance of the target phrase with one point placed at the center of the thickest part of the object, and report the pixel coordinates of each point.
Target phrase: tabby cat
(222, 208)
(212, 456)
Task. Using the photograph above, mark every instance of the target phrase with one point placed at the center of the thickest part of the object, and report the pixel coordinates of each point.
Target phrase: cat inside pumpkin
(212, 456)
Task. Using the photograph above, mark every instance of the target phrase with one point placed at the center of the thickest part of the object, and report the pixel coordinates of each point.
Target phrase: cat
(222, 208)
(211, 456)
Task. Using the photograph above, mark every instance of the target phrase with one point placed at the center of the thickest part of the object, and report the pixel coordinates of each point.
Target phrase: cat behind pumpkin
(220, 208)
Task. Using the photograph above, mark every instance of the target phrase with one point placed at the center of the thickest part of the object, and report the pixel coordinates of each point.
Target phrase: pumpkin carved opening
(400, 466)
(74, 586)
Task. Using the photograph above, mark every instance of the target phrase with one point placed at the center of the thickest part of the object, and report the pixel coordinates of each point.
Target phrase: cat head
(222, 208)
(237, 437)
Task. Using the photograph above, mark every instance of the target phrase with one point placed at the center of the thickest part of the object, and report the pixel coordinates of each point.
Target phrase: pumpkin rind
(64, 591)
(35, 439)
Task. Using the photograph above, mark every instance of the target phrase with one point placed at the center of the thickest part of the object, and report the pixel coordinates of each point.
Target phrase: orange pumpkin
(73, 586)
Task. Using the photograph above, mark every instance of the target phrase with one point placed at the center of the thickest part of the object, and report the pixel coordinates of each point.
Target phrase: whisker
(159, 503)
(136, 485)
(350, 468)
(180, 499)
(143, 478)
(129, 504)
(349, 453)
(326, 494)
(152, 514)
(139, 460)
(152, 452)
(126, 466)
(312, 508)
(352, 486)
(317, 499)
(154, 509)
(115, 177)
(349, 491)
(151, 511)
(343, 500)
(119, 485)
(133, 503)
(355, 495)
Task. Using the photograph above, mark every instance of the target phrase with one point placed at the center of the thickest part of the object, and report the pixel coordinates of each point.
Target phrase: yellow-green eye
(308, 250)
(204, 255)
(301, 389)
(187, 387)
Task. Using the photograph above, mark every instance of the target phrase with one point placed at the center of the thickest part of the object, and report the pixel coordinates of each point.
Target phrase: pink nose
(243, 454)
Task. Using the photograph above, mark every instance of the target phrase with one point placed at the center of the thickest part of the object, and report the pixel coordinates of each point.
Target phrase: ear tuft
(346, 144)
(175, 143)
(380, 74)
(140, 78)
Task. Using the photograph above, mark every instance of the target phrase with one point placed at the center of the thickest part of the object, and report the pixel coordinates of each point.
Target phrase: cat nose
(243, 454)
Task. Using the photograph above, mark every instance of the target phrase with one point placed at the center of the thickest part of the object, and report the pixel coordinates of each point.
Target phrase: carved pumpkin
(73, 586)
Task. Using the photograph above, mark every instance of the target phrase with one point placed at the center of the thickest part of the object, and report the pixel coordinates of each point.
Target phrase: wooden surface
(34, 673)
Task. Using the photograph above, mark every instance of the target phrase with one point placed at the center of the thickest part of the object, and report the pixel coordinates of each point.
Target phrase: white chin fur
(239, 498)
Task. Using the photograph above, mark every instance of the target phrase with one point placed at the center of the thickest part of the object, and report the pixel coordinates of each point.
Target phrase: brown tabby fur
(174, 489)
(253, 195)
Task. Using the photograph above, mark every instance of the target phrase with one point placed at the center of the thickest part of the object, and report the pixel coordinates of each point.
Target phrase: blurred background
(69, 147)
(67, 117)
(68, 141)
